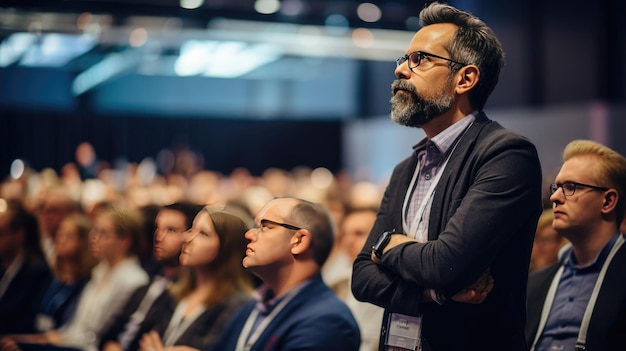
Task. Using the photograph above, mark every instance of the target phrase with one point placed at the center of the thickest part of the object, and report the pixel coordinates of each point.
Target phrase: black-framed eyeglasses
(416, 57)
(569, 188)
(266, 222)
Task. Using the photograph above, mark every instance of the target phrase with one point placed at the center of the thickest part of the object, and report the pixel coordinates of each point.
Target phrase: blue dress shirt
(570, 301)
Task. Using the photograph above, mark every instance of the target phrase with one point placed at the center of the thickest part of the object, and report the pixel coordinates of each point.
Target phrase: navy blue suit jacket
(315, 319)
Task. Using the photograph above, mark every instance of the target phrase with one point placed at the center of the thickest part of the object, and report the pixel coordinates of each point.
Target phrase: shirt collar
(599, 260)
(445, 139)
(266, 301)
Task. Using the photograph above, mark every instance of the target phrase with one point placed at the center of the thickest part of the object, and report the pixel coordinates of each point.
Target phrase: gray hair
(474, 43)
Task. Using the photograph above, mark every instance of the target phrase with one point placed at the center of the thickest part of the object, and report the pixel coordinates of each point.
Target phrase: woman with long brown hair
(213, 284)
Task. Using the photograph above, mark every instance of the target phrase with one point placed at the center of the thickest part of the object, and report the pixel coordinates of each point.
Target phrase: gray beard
(411, 110)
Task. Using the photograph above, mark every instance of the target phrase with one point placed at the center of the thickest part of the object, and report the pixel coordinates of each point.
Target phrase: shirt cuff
(437, 297)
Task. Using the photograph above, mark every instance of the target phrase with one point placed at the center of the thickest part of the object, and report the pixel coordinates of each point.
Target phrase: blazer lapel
(457, 160)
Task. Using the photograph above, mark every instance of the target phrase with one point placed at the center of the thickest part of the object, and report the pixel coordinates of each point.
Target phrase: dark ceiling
(394, 12)
(558, 53)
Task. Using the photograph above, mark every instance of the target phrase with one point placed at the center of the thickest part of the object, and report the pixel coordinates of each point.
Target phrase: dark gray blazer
(484, 215)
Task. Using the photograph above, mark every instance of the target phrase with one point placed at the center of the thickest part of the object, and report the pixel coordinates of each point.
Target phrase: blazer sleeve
(492, 201)
(488, 198)
(379, 284)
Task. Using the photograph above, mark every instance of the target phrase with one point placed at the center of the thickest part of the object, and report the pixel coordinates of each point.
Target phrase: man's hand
(8, 344)
(477, 292)
(151, 341)
(396, 239)
(112, 346)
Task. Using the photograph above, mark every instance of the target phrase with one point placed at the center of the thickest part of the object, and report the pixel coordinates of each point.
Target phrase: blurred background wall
(266, 83)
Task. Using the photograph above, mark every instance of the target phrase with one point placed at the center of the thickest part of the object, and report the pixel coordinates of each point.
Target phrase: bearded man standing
(449, 253)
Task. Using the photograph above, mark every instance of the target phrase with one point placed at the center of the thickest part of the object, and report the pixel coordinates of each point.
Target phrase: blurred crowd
(67, 207)
(88, 183)
(49, 222)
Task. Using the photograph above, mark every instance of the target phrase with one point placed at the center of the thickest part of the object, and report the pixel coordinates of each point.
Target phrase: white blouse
(102, 299)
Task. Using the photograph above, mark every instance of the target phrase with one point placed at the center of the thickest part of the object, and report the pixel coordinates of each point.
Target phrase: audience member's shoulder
(496, 135)
(131, 273)
(326, 301)
(501, 141)
(38, 267)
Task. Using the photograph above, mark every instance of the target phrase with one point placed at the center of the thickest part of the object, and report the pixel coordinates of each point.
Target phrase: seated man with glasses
(580, 302)
(294, 308)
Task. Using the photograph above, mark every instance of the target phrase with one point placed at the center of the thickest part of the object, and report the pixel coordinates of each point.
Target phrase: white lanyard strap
(10, 273)
(547, 305)
(245, 345)
(132, 326)
(412, 229)
(582, 333)
(178, 325)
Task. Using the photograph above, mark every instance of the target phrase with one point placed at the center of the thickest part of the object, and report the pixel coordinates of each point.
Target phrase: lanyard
(412, 229)
(10, 273)
(179, 324)
(132, 326)
(242, 344)
(582, 334)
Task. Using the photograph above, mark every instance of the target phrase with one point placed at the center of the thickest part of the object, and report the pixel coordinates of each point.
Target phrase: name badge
(404, 332)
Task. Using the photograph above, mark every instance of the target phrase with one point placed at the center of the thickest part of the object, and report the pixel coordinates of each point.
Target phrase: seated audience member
(56, 204)
(213, 286)
(148, 304)
(294, 308)
(580, 302)
(113, 241)
(25, 273)
(336, 271)
(146, 240)
(72, 270)
(355, 227)
(547, 242)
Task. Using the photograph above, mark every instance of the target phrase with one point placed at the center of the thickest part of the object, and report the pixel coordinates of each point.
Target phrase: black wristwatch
(381, 243)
